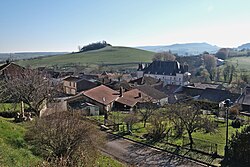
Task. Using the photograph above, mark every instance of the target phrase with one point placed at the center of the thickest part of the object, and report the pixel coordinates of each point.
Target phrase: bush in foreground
(239, 148)
(64, 139)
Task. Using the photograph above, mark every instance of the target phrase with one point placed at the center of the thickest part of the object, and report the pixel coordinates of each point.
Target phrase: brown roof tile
(102, 94)
(130, 98)
(152, 92)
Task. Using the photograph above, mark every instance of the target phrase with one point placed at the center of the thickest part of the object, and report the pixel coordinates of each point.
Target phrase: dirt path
(139, 155)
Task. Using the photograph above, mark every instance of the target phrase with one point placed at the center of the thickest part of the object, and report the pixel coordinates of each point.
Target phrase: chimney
(185, 67)
(103, 99)
(139, 67)
(139, 94)
(121, 92)
(7, 61)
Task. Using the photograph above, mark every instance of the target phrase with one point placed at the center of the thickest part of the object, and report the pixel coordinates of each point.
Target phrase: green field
(243, 62)
(108, 55)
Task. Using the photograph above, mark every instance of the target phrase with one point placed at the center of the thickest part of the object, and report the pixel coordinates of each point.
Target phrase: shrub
(64, 139)
(8, 114)
(239, 150)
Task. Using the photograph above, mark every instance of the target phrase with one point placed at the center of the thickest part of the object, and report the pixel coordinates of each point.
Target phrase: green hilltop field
(107, 55)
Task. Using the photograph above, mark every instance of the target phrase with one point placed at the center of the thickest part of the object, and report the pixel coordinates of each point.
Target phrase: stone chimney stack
(185, 67)
(8, 61)
(121, 92)
(139, 94)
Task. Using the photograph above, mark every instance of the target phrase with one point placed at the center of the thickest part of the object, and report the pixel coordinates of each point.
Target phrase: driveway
(139, 155)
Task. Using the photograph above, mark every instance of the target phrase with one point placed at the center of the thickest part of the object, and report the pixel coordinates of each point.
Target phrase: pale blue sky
(62, 25)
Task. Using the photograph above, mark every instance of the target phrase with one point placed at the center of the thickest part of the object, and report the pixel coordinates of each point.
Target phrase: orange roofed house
(101, 96)
(131, 100)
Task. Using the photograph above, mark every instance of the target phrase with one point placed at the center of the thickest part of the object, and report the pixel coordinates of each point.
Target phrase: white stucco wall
(169, 79)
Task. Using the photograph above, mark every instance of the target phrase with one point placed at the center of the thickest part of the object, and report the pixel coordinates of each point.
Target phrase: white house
(170, 72)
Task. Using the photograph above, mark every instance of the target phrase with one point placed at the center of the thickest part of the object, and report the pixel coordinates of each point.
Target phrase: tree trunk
(128, 127)
(144, 123)
(190, 139)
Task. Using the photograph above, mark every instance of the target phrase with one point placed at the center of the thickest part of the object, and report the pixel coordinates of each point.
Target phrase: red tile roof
(102, 94)
(132, 97)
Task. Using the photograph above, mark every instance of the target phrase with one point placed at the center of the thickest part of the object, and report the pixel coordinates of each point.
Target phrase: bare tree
(166, 56)
(32, 88)
(64, 139)
(146, 114)
(232, 73)
(228, 73)
(130, 119)
(159, 125)
(222, 53)
(192, 119)
(210, 65)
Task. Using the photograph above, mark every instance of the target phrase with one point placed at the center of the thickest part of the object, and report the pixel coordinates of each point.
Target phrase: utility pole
(227, 103)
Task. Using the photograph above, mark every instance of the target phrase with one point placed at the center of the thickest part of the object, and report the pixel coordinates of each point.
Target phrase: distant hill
(244, 46)
(26, 55)
(183, 49)
(107, 55)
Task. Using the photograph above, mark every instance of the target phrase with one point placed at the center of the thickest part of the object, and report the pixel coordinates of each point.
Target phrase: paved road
(139, 155)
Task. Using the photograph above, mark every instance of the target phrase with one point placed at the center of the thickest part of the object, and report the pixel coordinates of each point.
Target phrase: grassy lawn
(219, 137)
(9, 107)
(14, 151)
(106, 161)
(108, 55)
(201, 139)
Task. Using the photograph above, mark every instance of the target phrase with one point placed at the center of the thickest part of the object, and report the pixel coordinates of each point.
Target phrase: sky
(63, 25)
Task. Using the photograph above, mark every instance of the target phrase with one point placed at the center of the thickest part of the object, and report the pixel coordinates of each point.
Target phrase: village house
(159, 97)
(196, 89)
(244, 100)
(170, 72)
(101, 96)
(73, 85)
(59, 105)
(131, 100)
(145, 80)
(83, 106)
(10, 70)
(217, 95)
